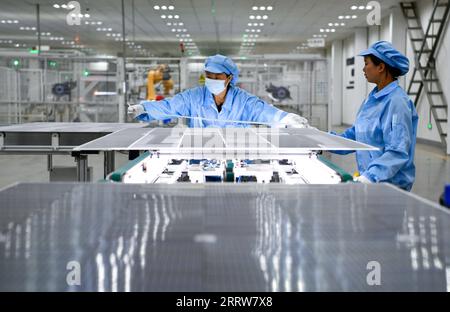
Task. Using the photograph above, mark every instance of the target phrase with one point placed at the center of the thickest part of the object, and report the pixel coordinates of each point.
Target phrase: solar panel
(215, 140)
(212, 237)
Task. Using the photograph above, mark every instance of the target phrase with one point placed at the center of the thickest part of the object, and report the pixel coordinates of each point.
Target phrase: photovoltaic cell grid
(185, 140)
(221, 238)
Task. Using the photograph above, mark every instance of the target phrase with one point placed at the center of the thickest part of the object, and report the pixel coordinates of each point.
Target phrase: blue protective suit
(239, 105)
(387, 120)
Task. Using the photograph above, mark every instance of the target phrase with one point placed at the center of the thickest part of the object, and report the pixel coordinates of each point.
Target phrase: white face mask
(215, 86)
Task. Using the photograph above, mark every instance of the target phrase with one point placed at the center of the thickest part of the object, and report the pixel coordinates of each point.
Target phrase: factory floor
(432, 168)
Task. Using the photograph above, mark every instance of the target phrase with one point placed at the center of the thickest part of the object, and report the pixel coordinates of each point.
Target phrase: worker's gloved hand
(135, 110)
(293, 121)
(362, 179)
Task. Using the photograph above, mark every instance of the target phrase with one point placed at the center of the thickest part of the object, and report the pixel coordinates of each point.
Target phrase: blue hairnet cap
(221, 64)
(389, 55)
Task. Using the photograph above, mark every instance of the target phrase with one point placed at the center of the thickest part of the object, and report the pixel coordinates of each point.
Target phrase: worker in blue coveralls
(219, 103)
(387, 120)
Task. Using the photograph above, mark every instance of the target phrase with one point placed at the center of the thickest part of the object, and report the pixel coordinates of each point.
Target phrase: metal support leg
(133, 154)
(108, 164)
(49, 162)
(82, 168)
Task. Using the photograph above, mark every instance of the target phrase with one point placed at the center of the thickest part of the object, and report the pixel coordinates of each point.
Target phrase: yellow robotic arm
(155, 76)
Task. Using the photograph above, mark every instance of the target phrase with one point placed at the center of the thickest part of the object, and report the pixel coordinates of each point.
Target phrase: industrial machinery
(261, 155)
(160, 75)
(309, 168)
(60, 90)
(278, 94)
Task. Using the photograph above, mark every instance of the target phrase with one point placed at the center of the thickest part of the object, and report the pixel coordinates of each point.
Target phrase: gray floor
(432, 165)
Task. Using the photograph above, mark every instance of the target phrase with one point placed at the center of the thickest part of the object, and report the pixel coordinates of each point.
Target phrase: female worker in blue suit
(217, 104)
(387, 119)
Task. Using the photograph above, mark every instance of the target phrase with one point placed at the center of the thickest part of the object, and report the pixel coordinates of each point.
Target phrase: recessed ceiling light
(170, 17)
(163, 7)
(252, 17)
(156, 7)
(99, 23)
(361, 7)
(369, 7)
(269, 8)
(354, 7)
(64, 6)
(354, 16)
(181, 24)
(87, 15)
(163, 16)
(347, 17)
(56, 6)
(176, 17)
(258, 17)
(255, 8)
(174, 30)
(171, 7)
(340, 17)
(265, 17)
(71, 6)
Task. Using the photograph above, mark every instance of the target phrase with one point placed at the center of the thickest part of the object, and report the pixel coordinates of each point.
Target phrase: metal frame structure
(424, 77)
(59, 139)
